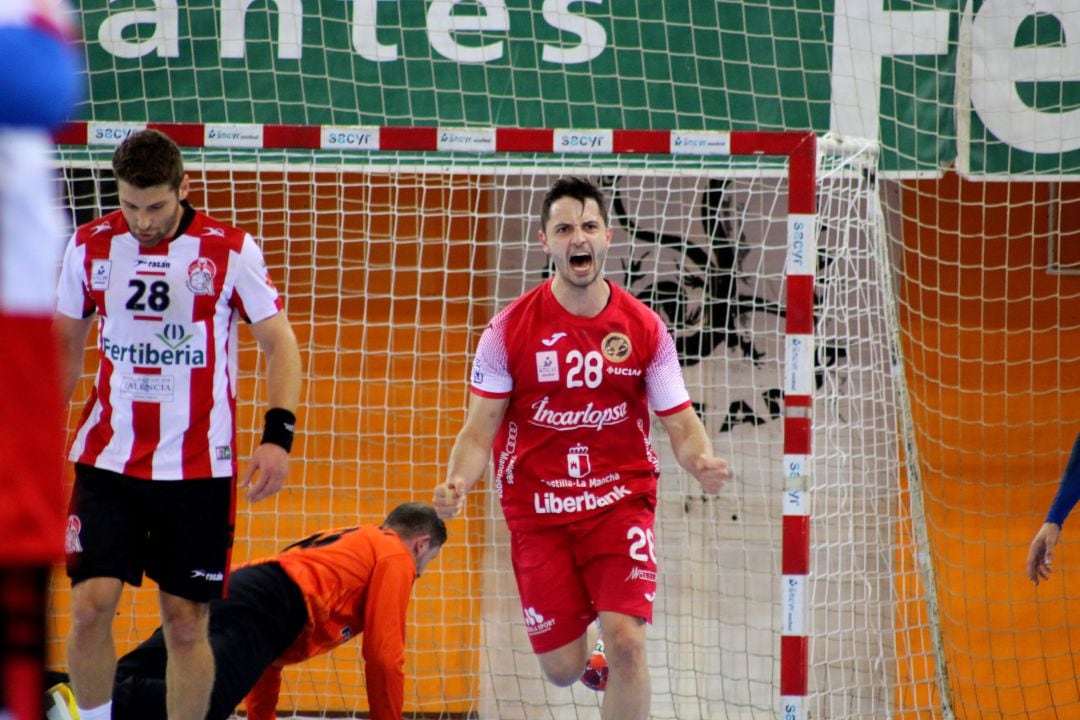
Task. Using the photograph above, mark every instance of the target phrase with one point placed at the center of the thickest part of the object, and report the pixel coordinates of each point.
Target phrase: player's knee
(563, 675)
(184, 625)
(624, 650)
(92, 608)
(181, 635)
(564, 666)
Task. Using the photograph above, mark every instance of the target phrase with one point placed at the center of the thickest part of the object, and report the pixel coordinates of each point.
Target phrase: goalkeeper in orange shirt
(313, 596)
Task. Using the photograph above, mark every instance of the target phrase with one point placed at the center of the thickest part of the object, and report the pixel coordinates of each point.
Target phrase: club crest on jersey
(72, 544)
(616, 347)
(100, 272)
(201, 275)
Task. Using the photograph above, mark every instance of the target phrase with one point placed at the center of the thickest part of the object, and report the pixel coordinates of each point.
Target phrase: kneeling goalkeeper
(313, 596)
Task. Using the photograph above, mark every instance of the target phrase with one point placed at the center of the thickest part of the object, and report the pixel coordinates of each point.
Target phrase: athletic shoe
(60, 703)
(596, 669)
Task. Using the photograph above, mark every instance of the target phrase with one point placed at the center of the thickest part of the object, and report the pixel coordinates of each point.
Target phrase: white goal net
(391, 264)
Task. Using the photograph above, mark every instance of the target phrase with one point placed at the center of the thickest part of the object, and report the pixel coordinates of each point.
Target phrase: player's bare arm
(71, 334)
(470, 455)
(694, 451)
(269, 464)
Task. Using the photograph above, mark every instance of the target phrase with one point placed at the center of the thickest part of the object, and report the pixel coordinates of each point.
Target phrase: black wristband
(279, 428)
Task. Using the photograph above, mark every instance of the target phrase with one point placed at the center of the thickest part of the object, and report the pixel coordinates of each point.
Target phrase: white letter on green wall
(290, 28)
(592, 34)
(442, 23)
(862, 34)
(364, 39)
(165, 40)
(997, 66)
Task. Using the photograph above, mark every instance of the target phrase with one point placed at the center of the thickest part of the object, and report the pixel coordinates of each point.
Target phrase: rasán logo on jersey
(586, 417)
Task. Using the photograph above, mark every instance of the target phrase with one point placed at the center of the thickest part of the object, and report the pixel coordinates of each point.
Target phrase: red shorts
(567, 574)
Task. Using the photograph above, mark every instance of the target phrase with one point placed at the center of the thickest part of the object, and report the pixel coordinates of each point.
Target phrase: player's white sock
(60, 703)
(101, 712)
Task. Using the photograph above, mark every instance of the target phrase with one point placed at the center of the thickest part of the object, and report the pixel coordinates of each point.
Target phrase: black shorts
(179, 533)
(262, 616)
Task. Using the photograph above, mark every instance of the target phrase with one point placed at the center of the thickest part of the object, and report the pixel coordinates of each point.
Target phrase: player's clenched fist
(449, 498)
(712, 472)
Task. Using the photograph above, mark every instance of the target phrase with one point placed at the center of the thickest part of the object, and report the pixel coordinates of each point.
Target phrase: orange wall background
(992, 350)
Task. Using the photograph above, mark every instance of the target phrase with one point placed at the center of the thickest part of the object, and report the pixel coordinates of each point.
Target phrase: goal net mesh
(390, 269)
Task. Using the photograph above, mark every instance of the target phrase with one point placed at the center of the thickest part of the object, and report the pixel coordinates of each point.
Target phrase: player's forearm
(283, 372)
(71, 342)
(1069, 490)
(385, 689)
(468, 459)
(70, 372)
(689, 439)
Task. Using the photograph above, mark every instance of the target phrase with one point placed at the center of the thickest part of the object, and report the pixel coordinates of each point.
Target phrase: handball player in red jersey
(562, 385)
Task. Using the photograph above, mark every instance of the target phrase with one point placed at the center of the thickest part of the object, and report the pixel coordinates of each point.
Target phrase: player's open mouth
(580, 260)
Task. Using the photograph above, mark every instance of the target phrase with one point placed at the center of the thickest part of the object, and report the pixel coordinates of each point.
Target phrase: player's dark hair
(148, 158)
(574, 187)
(412, 519)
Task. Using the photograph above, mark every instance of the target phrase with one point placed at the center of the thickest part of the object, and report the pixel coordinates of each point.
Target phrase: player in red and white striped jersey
(155, 449)
(562, 382)
(39, 86)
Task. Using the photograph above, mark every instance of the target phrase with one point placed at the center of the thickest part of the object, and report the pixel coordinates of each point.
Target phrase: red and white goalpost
(797, 593)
